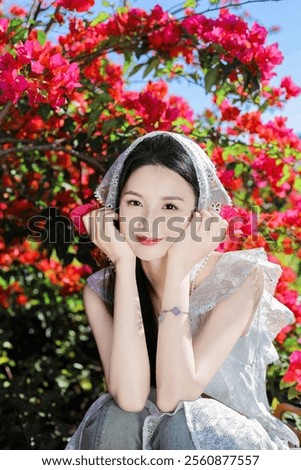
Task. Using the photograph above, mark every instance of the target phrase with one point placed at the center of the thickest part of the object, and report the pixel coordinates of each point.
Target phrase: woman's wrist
(176, 290)
(124, 264)
(176, 270)
(181, 268)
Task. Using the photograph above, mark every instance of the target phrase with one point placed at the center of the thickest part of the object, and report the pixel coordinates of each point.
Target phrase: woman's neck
(155, 272)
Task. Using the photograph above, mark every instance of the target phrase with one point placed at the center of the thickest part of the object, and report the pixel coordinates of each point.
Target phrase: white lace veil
(212, 193)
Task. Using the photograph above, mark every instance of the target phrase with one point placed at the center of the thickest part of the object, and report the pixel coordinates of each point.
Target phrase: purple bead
(176, 310)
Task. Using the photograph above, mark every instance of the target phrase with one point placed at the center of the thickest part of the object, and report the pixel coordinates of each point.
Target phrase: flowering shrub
(292, 377)
(66, 111)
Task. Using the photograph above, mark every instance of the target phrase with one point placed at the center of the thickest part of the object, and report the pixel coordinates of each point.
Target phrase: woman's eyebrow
(165, 198)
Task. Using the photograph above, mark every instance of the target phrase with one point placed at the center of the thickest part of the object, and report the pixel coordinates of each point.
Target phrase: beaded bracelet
(175, 310)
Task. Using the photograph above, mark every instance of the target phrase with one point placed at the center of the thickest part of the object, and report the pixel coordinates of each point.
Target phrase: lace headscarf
(213, 195)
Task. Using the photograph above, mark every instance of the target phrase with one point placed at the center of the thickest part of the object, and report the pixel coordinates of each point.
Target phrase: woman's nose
(140, 221)
(149, 224)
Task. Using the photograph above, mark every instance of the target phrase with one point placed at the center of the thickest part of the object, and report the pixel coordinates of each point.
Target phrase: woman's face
(156, 205)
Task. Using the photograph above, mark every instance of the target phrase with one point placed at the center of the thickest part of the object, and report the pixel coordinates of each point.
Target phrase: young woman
(184, 332)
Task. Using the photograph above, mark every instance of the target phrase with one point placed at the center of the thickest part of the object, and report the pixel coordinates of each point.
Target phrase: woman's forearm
(129, 380)
(175, 358)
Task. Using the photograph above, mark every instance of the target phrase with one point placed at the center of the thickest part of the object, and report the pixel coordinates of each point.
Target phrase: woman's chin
(149, 253)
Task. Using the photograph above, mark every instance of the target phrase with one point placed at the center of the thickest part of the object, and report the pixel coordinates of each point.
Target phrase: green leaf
(190, 4)
(153, 63)
(211, 78)
(106, 3)
(20, 35)
(136, 69)
(284, 385)
(41, 37)
(85, 384)
(128, 60)
(140, 50)
(121, 10)
(239, 169)
(293, 393)
(100, 18)
(45, 110)
(96, 110)
(3, 360)
(108, 125)
(15, 23)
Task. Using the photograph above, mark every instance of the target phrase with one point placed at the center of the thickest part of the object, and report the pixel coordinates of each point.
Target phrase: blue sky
(287, 15)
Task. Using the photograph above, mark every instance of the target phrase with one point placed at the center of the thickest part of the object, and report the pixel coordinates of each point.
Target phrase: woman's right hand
(100, 227)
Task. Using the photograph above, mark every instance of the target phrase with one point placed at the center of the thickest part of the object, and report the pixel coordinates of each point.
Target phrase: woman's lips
(148, 241)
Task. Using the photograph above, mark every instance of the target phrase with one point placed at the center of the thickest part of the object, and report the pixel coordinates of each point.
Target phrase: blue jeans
(111, 428)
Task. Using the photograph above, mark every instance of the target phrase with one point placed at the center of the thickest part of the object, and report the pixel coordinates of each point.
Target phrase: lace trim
(221, 283)
(212, 193)
(96, 282)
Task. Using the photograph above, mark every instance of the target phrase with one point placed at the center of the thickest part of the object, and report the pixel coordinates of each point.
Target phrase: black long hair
(165, 151)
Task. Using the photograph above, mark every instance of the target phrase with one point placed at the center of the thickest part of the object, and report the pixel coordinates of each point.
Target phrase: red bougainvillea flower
(22, 299)
(4, 302)
(4, 23)
(12, 84)
(293, 373)
(77, 5)
(50, 78)
(228, 211)
(229, 180)
(228, 111)
(17, 11)
(282, 335)
(290, 87)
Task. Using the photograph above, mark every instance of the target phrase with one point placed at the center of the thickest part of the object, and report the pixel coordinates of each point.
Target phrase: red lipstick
(148, 241)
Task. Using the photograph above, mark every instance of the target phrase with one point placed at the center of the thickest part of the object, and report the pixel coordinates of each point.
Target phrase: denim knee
(172, 433)
(111, 428)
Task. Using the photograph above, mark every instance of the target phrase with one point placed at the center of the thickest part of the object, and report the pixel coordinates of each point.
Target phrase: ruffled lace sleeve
(228, 275)
(97, 282)
(240, 383)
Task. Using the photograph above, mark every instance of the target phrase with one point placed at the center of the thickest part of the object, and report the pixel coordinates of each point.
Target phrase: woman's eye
(133, 202)
(170, 206)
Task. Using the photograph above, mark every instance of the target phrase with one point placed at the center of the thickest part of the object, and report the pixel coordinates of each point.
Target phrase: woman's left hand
(204, 233)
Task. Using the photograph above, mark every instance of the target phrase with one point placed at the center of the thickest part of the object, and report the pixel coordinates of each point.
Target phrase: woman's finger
(102, 225)
(204, 220)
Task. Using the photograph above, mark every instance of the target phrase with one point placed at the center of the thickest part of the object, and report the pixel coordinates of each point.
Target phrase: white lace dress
(237, 416)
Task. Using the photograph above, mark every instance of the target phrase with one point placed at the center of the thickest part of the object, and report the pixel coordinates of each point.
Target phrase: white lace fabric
(238, 415)
(212, 193)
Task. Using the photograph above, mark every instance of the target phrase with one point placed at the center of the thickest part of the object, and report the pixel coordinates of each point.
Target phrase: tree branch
(218, 7)
(52, 20)
(98, 166)
(5, 110)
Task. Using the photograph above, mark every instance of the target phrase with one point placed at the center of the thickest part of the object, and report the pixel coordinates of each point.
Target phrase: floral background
(67, 111)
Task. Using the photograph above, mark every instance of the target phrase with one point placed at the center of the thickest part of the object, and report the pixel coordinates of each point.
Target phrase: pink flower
(77, 5)
(293, 374)
(229, 113)
(26, 51)
(12, 84)
(258, 34)
(290, 87)
(17, 11)
(228, 212)
(3, 26)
